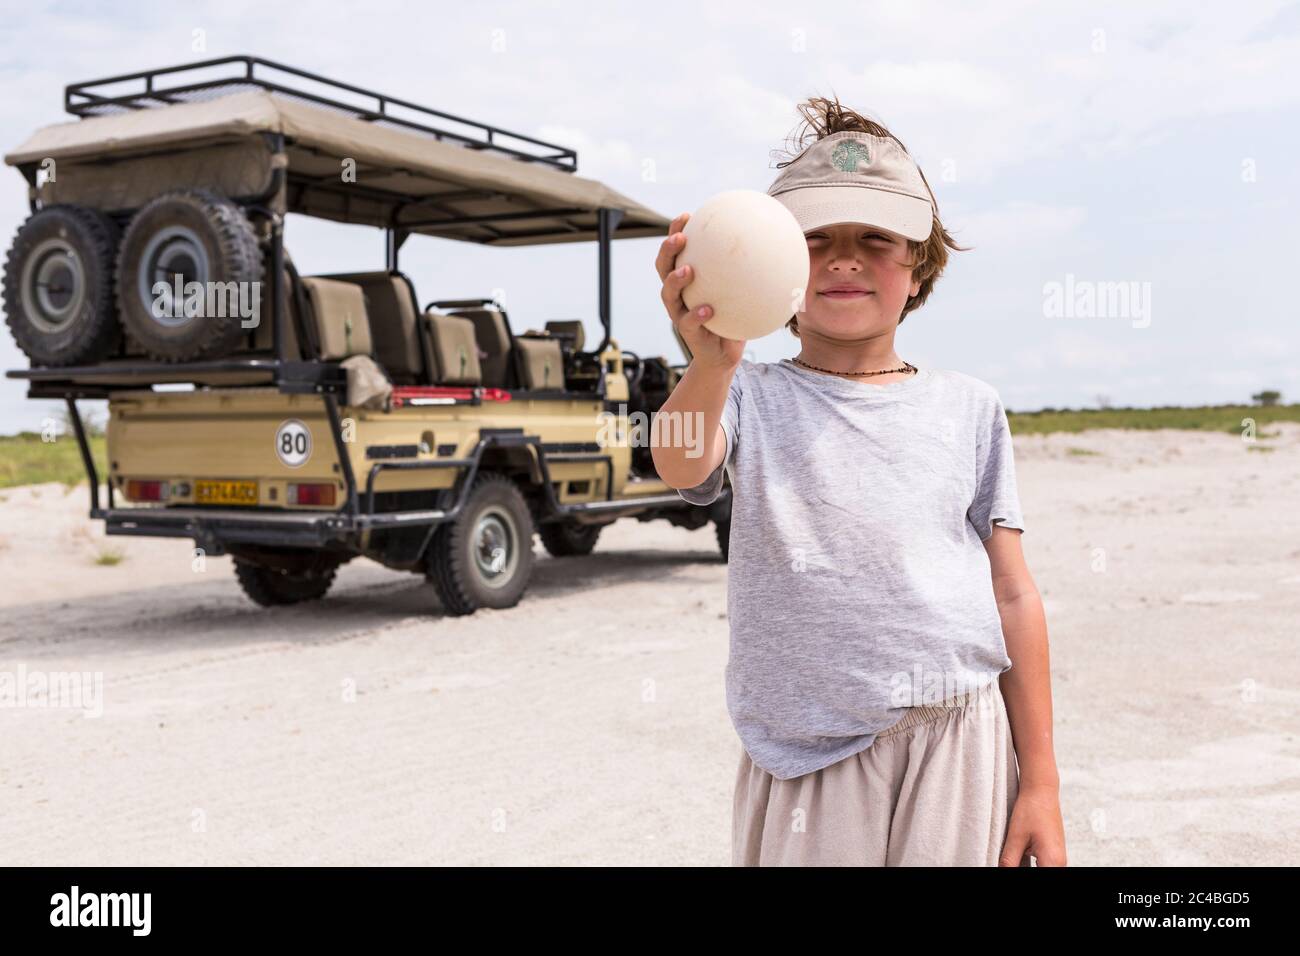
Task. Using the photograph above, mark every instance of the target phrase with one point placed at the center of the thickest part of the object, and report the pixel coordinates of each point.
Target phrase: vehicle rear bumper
(214, 528)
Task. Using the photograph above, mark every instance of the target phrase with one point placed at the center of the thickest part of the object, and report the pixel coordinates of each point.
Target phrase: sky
(1148, 149)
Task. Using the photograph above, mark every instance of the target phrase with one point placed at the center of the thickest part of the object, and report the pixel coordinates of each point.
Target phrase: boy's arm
(1027, 691)
(700, 397)
(1027, 685)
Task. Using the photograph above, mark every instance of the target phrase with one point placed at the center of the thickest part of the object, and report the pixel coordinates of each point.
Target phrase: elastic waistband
(924, 713)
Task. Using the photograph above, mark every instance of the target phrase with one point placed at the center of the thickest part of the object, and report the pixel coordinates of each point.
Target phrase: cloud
(1004, 86)
(1083, 351)
(1255, 344)
(929, 86)
(1241, 377)
(597, 158)
(1017, 223)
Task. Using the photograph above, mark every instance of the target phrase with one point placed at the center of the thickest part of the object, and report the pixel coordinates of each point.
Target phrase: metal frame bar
(608, 222)
(279, 338)
(89, 103)
(341, 449)
(87, 459)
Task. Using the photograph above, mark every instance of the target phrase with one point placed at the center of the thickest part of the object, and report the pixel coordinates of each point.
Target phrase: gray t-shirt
(858, 583)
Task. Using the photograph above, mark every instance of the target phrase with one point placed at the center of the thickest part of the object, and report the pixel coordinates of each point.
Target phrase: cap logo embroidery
(847, 155)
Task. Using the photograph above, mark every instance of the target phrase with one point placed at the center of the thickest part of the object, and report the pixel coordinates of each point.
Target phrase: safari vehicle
(341, 419)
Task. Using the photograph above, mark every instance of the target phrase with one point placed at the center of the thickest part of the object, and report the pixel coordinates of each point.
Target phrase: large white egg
(750, 260)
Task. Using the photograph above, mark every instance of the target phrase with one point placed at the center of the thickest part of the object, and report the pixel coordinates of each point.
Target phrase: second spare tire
(58, 286)
(181, 238)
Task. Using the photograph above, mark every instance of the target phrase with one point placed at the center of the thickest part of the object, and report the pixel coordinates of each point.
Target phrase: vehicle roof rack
(92, 98)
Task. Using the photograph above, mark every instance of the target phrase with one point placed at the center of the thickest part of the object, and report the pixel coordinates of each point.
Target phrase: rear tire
(203, 237)
(569, 539)
(271, 587)
(58, 287)
(484, 557)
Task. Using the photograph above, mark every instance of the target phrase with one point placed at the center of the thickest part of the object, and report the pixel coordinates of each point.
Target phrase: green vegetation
(1218, 418)
(110, 556)
(26, 460)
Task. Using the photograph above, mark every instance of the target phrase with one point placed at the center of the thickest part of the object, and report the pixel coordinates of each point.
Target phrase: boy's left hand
(1036, 828)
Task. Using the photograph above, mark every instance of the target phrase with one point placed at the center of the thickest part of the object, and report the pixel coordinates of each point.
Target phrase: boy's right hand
(707, 348)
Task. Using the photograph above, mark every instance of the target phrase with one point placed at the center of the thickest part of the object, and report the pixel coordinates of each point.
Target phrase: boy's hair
(822, 117)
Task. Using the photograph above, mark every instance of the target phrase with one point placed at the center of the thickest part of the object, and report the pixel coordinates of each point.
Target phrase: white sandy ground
(588, 725)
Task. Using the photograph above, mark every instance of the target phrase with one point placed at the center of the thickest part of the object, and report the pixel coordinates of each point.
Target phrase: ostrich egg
(750, 262)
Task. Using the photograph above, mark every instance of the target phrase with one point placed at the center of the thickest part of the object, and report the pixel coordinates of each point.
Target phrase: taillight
(138, 490)
(318, 494)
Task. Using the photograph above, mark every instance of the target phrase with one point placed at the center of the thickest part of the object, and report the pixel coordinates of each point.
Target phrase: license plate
(225, 492)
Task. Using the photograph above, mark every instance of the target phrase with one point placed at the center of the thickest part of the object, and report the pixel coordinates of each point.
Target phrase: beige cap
(852, 176)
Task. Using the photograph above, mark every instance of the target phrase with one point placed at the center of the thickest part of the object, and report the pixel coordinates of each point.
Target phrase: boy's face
(868, 258)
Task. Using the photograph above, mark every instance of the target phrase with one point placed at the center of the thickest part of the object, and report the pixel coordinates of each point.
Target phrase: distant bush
(26, 460)
(1221, 418)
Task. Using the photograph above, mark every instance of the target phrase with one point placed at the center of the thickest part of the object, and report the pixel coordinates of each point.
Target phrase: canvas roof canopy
(404, 178)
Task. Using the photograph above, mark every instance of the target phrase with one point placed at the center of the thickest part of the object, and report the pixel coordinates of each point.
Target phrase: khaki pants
(935, 789)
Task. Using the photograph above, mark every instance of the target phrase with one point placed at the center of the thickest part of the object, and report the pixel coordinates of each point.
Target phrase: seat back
(338, 315)
(451, 351)
(541, 362)
(569, 332)
(264, 334)
(493, 337)
(390, 306)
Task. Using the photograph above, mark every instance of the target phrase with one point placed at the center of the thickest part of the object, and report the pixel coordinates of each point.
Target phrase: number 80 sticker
(293, 443)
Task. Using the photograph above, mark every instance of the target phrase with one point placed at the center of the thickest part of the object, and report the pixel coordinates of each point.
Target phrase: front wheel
(485, 556)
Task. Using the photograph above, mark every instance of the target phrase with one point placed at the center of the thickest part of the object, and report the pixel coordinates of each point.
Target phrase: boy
(877, 592)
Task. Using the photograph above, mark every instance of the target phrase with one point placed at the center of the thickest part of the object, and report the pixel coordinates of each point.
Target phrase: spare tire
(203, 238)
(58, 286)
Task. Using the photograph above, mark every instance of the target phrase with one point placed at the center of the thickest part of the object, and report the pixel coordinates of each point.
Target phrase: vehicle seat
(569, 332)
(338, 316)
(264, 334)
(451, 351)
(390, 305)
(493, 337)
(541, 361)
